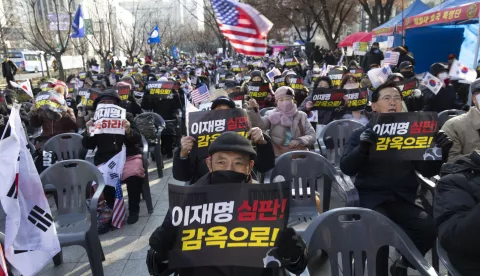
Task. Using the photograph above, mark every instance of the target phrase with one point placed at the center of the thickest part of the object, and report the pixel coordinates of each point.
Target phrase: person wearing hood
(390, 186)
(108, 145)
(446, 98)
(187, 168)
(257, 77)
(374, 56)
(231, 159)
(404, 55)
(53, 123)
(456, 211)
(169, 109)
(289, 128)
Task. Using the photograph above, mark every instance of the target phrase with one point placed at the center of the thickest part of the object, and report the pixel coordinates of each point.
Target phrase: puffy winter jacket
(457, 213)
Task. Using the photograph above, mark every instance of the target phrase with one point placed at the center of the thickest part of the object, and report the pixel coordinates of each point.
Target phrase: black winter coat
(110, 144)
(457, 213)
(445, 99)
(371, 58)
(191, 169)
(378, 181)
(163, 238)
(167, 108)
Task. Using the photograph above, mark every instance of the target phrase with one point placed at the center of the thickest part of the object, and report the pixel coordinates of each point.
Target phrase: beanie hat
(284, 91)
(232, 141)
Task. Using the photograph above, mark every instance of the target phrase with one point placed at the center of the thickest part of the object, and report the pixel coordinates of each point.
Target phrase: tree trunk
(46, 64)
(105, 65)
(83, 63)
(61, 72)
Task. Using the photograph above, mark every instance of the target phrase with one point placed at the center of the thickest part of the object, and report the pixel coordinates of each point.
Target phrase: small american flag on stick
(200, 94)
(119, 211)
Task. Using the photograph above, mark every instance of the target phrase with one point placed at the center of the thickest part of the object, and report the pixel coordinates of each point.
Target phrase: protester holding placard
(231, 159)
(189, 167)
(259, 89)
(128, 101)
(289, 128)
(51, 112)
(446, 98)
(7, 100)
(389, 185)
(296, 83)
(350, 83)
(104, 133)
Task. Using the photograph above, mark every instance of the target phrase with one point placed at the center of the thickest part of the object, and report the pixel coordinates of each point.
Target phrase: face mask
(443, 76)
(408, 75)
(351, 85)
(228, 177)
(285, 105)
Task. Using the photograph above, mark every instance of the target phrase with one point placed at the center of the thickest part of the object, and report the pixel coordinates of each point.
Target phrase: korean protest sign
(358, 73)
(357, 98)
(159, 89)
(327, 99)
(258, 90)
(124, 92)
(405, 136)
(108, 119)
(407, 87)
(88, 97)
(206, 126)
(296, 83)
(227, 225)
(291, 62)
(49, 100)
(336, 75)
(278, 81)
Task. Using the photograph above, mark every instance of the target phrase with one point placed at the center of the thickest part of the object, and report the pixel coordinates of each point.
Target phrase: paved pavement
(125, 249)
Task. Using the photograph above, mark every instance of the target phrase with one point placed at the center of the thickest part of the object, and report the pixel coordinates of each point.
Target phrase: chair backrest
(443, 255)
(71, 178)
(358, 233)
(306, 170)
(447, 115)
(145, 154)
(339, 131)
(66, 146)
(263, 111)
(159, 121)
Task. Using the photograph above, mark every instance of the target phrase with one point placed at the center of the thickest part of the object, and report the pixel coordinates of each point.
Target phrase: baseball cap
(405, 65)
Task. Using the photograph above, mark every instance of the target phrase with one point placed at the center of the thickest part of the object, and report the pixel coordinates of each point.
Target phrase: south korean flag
(112, 169)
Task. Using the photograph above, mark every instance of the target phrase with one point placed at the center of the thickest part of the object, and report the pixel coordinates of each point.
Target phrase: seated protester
(256, 76)
(456, 211)
(99, 84)
(53, 124)
(108, 145)
(289, 128)
(324, 116)
(464, 130)
(390, 186)
(131, 105)
(186, 168)
(446, 98)
(415, 101)
(231, 160)
(351, 82)
(299, 95)
(169, 110)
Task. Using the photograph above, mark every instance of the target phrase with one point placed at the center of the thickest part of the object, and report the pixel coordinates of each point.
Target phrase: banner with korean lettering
(206, 126)
(291, 62)
(336, 75)
(159, 89)
(278, 81)
(407, 87)
(461, 13)
(357, 98)
(258, 90)
(49, 100)
(327, 99)
(227, 225)
(358, 73)
(405, 136)
(108, 119)
(296, 83)
(88, 97)
(124, 92)
(82, 75)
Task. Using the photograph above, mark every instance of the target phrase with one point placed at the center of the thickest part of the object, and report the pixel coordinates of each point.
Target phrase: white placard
(108, 119)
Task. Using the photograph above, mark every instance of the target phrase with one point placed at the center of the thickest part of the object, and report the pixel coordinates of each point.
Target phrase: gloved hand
(367, 139)
(417, 93)
(465, 108)
(290, 246)
(444, 142)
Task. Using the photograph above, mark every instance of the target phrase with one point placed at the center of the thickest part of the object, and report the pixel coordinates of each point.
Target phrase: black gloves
(367, 139)
(290, 246)
(444, 142)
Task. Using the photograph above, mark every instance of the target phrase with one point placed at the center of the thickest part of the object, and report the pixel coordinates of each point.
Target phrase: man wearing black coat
(9, 70)
(457, 213)
(374, 56)
(390, 186)
(231, 160)
(187, 168)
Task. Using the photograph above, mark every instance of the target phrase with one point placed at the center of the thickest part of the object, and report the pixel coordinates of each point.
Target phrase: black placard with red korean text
(407, 87)
(357, 98)
(123, 91)
(336, 75)
(206, 126)
(405, 136)
(227, 225)
(258, 90)
(159, 89)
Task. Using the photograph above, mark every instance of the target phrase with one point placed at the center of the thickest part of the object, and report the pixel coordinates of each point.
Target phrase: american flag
(200, 94)
(243, 26)
(391, 58)
(119, 210)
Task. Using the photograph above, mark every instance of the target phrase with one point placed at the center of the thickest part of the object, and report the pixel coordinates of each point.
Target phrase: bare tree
(103, 18)
(378, 11)
(51, 36)
(81, 46)
(8, 19)
(133, 36)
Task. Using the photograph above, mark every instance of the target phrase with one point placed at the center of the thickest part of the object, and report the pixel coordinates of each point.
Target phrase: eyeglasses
(390, 98)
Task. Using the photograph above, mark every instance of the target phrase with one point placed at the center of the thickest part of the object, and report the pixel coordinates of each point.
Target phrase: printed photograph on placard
(405, 136)
(227, 225)
(206, 126)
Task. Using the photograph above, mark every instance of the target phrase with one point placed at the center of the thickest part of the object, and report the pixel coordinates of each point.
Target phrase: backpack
(146, 126)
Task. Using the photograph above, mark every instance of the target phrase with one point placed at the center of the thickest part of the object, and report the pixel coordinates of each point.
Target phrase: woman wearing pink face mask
(289, 128)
